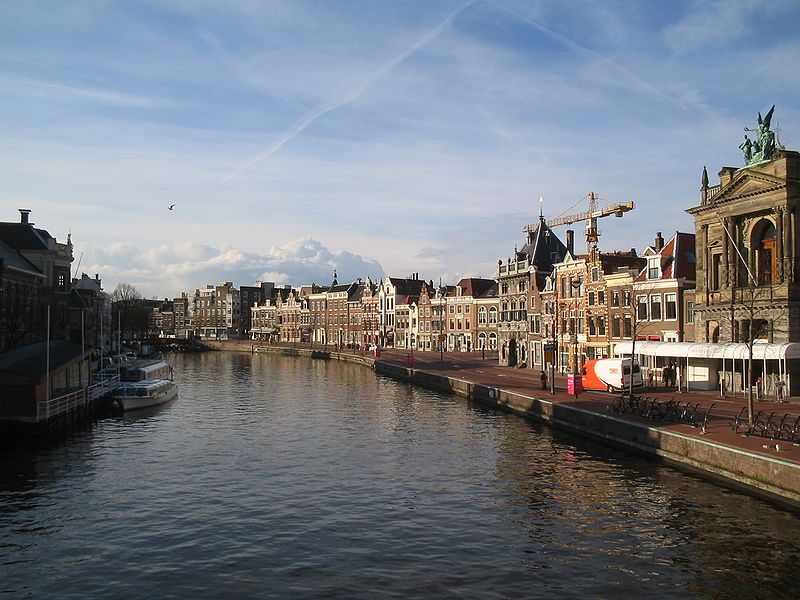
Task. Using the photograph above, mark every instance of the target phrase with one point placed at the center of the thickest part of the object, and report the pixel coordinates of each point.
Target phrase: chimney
(633, 252)
(23, 215)
(659, 242)
(571, 241)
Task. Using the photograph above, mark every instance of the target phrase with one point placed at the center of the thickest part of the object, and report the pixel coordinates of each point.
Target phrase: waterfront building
(370, 313)
(182, 309)
(250, 295)
(30, 392)
(288, 313)
(317, 307)
(90, 313)
(52, 259)
(264, 321)
(426, 339)
(20, 308)
(218, 312)
(542, 249)
(660, 290)
(487, 304)
(462, 313)
(391, 292)
(403, 322)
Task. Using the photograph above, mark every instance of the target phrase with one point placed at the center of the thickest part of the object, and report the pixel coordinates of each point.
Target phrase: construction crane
(590, 216)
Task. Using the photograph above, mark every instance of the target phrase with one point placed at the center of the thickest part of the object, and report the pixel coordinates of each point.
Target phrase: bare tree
(129, 310)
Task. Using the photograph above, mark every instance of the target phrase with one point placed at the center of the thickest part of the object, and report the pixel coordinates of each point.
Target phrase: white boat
(141, 394)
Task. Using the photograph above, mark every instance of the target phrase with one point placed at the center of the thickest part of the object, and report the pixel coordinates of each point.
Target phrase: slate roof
(31, 360)
(542, 247)
(408, 287)
(24, 236)
(13, 259)
(473, 286)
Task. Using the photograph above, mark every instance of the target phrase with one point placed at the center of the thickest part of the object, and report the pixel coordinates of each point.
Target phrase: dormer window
(654, 267)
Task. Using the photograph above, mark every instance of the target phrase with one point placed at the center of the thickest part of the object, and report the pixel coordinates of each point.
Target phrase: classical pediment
(747, 183)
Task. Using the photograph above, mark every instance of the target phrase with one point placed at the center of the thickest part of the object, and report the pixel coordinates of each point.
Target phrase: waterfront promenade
(756, 463)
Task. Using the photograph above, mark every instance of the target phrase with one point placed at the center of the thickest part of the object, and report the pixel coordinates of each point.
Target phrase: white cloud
(169, 269)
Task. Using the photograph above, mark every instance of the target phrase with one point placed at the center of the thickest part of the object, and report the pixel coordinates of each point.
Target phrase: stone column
(786, 241)
(726, 245)
(779, 245)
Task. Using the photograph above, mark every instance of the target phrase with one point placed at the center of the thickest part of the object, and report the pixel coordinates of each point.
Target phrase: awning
(761, 351)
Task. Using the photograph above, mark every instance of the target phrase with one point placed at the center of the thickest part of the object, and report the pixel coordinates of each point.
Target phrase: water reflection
(283, 477)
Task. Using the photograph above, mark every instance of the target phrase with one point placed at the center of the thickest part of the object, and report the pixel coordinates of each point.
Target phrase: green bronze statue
(763, 147)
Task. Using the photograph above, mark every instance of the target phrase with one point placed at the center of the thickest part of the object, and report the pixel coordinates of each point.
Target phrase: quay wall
(771, 477)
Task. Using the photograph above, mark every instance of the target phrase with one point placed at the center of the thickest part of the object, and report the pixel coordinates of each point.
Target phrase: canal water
(278, 477)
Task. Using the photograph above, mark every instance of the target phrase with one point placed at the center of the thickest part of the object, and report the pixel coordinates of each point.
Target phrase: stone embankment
(722, 455)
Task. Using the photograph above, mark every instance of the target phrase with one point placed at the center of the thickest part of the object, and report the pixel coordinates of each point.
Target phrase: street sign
(550, 347)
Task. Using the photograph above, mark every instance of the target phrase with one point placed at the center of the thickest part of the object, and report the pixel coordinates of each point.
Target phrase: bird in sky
(171, 206)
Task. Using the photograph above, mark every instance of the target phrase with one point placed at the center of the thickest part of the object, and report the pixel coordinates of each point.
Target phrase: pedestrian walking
(543, 379)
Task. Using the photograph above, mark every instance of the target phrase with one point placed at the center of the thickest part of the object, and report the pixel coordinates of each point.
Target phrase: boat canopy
(761, 351)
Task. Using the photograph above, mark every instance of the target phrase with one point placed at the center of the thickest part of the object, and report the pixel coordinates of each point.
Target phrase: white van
(611, 374)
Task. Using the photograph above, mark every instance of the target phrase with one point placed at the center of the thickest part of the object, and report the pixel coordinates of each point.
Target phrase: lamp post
(576, 285)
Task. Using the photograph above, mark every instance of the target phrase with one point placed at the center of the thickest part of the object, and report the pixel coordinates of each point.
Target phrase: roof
(24, 236)
(31, 360)
(13, 259)
(473, 286)
(408, 287)
(677, 258)
(613, 261)
(542, 248)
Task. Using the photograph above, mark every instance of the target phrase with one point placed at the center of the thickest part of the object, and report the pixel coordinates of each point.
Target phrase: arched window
(482, 315)
(492, 315)
(763, 244)
(493, 341)
(481, 341)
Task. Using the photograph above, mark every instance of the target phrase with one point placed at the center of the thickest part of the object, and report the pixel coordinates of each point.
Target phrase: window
(601, 298)
(563, 287)
(591, 298)
(615, 327)
(690, 312)
(595, 274)
(641, 308)
(628, 327)
(452, 309)
(670, 306)
(482, 315)
(601, 326)
(458, 309)
(592, 329)
(716, 271)
(615, 299)
(580, 321)
(653, 267)
(492, 315)
(655, 307)
(626, 299)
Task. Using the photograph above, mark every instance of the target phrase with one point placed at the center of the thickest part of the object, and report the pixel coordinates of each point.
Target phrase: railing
(72, 400)
(712, 191)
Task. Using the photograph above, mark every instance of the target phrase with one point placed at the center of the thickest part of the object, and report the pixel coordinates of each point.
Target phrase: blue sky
(377, 137)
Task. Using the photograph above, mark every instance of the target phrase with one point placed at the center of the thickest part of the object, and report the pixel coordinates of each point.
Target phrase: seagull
(171, 206)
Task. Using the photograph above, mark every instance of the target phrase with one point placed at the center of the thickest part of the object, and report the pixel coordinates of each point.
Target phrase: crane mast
(590, 216)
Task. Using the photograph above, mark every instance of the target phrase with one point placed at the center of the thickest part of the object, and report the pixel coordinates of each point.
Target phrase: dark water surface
(275, 477)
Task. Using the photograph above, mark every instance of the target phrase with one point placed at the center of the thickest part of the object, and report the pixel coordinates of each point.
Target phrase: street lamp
(576, 285)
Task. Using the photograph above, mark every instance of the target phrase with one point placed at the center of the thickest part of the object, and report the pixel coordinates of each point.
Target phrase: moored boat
(141, 394)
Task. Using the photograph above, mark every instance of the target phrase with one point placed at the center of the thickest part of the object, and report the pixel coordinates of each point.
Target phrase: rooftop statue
(763, 147)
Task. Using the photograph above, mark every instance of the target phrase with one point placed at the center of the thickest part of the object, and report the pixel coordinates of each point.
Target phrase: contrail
(298, 129)
(575, 46)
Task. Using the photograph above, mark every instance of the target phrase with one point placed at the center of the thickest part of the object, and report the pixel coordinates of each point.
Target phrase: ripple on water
(278, 477)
